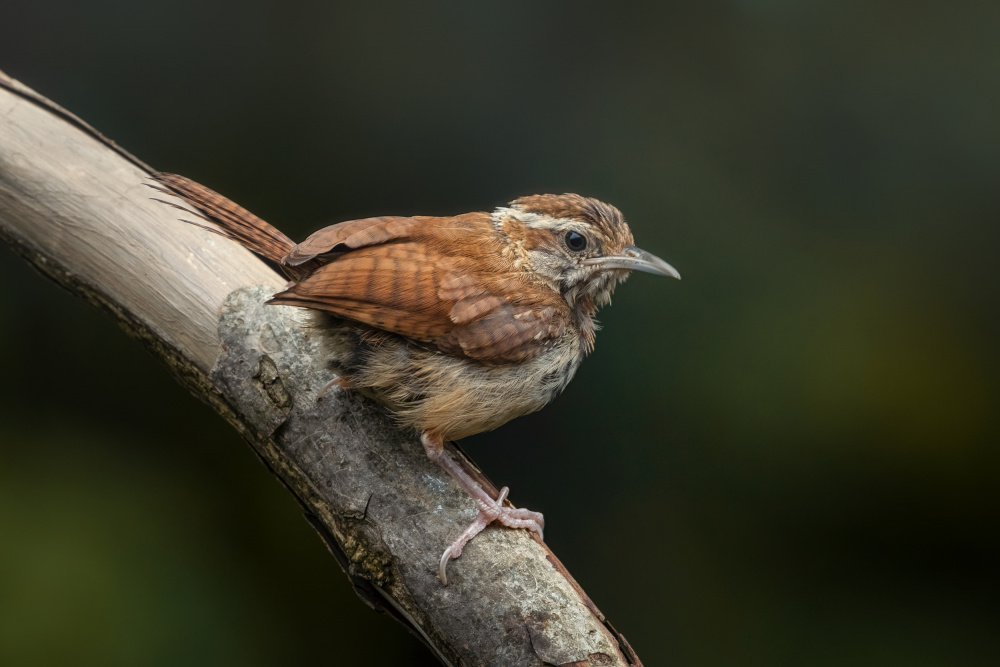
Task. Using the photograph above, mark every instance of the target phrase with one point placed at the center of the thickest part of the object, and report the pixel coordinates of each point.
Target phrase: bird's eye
(576, 241)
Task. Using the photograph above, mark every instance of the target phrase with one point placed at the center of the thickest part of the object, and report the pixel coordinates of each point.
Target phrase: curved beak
(635, 259)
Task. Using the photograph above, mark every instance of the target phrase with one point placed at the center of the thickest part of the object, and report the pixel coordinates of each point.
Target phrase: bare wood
(76, 207)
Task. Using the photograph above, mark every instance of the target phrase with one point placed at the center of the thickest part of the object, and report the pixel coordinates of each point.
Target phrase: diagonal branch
(74, 205)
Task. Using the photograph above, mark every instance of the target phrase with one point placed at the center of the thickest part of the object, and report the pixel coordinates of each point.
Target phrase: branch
(75, 206)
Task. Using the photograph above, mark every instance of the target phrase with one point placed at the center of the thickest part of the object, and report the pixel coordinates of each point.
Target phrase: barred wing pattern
(419, 278)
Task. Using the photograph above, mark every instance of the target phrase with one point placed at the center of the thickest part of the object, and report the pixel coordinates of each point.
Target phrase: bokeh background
(791, 455)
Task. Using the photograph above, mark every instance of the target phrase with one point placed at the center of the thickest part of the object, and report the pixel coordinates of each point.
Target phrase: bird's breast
(457, 396)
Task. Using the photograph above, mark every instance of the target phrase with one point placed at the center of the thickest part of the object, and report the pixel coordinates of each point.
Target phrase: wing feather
(352, 235)
(394, 275)
(510, 334)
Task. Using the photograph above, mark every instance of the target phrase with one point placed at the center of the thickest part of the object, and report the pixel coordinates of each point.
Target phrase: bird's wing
(509, 333)
(351, 235)
(390, 286)
(420, 290)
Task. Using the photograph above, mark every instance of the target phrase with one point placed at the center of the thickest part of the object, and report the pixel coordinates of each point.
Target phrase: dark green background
(789, 458)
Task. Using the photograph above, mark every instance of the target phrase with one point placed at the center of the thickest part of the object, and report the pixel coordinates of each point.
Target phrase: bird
(457, 324)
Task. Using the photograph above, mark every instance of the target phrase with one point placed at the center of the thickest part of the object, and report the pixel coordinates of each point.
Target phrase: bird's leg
(489, 510)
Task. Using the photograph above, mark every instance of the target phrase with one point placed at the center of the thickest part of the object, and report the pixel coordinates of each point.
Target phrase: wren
(457, 324)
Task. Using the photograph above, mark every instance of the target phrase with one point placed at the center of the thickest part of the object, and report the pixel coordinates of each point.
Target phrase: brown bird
(458, 324)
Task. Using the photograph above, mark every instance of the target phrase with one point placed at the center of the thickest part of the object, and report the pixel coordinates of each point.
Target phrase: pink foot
(491, 511)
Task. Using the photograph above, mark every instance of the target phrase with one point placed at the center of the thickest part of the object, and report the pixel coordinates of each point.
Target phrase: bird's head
(581, 246)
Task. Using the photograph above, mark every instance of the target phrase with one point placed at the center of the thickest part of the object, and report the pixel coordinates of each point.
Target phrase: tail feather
(232, 220)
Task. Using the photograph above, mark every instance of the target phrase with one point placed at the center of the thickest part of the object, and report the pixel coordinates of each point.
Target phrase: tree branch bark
(74, 205)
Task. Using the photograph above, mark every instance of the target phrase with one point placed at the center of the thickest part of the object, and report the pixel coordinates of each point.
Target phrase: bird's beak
(635, 259)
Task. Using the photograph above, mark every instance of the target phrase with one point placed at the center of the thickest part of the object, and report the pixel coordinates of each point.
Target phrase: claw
(336, 382)
(490, 511)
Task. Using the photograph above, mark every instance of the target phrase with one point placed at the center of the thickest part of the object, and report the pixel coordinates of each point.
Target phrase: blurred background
(792, 454)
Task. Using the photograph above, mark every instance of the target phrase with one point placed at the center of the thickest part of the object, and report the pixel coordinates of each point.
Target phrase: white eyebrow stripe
(537, 220)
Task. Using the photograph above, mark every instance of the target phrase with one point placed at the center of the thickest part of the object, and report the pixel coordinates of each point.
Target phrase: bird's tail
(231, 220)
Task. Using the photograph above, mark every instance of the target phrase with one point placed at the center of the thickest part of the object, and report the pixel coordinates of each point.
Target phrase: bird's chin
(603, 286)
